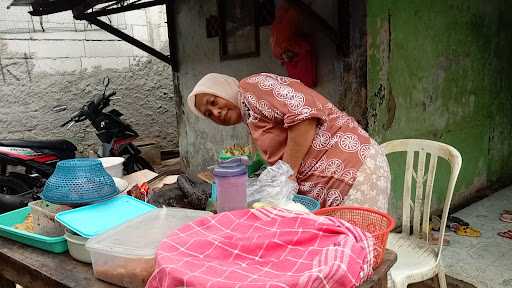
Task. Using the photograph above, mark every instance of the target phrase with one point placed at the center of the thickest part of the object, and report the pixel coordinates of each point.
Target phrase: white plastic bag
(273, 186)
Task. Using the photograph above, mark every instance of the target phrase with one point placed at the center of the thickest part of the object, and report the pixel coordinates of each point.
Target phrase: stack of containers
(89, 221)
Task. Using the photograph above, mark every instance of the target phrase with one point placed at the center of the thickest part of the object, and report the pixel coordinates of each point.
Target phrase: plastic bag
(273, 185)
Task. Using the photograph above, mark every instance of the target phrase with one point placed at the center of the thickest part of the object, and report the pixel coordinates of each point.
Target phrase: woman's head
(215, 96)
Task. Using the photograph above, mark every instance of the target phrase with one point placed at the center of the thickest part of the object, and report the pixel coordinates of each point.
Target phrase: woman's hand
(300, 137)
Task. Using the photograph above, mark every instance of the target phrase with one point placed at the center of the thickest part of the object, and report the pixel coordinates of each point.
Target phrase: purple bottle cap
(233, 167)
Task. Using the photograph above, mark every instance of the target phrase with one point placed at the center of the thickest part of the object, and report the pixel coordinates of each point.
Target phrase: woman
(333, 158)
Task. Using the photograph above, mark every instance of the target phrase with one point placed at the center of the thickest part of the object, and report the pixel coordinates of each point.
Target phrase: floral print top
(271, 103)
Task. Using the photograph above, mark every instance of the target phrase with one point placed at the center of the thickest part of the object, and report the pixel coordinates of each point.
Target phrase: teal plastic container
(92, 220)
(7, 230)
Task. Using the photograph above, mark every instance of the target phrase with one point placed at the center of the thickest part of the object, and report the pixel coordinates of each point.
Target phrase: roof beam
(120, 34)
(121, 9)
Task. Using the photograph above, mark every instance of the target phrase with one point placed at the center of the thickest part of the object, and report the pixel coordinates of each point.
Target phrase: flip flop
(506, 234)
(467, 231)
(435, 223)
(506, 216)
(454, 226)
(435, 238)
(456, 220)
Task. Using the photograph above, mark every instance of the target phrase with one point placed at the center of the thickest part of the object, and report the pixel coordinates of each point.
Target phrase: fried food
(27, 225)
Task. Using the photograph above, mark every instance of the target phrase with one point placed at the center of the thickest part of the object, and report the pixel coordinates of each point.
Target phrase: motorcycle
(35, 160)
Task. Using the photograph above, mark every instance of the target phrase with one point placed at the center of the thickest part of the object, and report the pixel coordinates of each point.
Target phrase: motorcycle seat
(56, 144)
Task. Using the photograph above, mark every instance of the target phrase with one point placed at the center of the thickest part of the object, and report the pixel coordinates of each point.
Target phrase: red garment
(263, 248)
(287, 37)
(285, 30)
(270, 104)
(303, 66)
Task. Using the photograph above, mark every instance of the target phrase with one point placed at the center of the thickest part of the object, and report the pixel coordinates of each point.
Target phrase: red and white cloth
(264, 248)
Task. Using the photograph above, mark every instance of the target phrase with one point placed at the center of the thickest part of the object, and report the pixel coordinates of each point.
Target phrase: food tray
(9, 219)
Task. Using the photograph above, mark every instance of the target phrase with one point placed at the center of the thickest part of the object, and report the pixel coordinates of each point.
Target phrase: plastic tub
(125, 255)
(43, 217)
(113, 165)
(76, 247)
(93, 220)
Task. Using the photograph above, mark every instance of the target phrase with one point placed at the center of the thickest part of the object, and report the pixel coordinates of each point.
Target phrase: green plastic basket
(8, 220)
(255, 164)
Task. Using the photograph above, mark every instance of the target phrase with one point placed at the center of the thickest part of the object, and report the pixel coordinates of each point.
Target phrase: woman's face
(219, 110)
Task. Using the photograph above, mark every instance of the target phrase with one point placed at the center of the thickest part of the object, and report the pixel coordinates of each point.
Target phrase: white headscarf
(220, 85)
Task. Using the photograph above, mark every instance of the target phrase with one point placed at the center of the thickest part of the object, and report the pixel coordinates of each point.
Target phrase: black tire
(12, 186)
(136, 163)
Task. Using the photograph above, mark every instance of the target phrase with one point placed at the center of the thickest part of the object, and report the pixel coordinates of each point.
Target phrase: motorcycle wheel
(12, 186)
(136, 163)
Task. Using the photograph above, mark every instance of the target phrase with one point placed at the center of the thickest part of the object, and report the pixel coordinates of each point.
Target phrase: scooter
(35, 160)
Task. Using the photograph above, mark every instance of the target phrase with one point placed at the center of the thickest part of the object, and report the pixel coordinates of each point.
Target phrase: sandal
(454, 226)
(435, 237)
(435, 223)
(506, 216)
(455, 220)
(506, 234)
(467, 231)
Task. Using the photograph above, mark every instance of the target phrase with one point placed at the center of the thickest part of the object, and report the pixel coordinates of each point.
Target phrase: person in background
(334, 160)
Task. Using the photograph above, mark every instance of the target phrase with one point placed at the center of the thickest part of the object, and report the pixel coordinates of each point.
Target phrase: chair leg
(396, 284)
(442, 279)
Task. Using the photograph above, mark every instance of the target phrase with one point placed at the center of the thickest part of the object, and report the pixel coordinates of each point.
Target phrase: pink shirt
(271, 103)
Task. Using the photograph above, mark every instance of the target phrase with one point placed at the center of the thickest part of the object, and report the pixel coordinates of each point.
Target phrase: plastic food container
(113, 165)
(43, 217)
(231, 181)
(76, 247)
(125, 255)
(93, 220)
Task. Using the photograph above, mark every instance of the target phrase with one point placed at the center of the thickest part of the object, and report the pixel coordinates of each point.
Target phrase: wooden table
(31, 267)
(379, 278)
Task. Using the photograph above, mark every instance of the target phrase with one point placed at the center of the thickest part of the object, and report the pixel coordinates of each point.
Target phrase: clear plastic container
(43, 217)
(125, 256)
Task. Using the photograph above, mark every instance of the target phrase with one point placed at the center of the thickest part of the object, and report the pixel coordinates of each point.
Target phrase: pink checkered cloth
(264, 248)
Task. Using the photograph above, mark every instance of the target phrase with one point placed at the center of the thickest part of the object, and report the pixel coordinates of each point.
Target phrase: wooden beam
(120, 34)
(122, 9)
(170, 10)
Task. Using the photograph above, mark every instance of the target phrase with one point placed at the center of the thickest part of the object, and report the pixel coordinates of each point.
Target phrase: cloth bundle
(264, 248)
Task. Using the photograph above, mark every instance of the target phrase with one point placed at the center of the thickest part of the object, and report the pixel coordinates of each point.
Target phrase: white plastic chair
(417, 259)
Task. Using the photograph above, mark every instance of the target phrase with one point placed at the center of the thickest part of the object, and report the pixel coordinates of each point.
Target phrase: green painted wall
(442, 70)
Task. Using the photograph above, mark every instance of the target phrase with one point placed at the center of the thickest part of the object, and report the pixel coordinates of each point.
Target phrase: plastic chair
(417, 259)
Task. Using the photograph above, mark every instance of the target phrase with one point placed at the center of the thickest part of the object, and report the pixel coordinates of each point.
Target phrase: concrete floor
(485, 262)
(452, 283)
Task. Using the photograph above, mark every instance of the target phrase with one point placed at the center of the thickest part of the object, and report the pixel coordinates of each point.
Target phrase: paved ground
(486, 261)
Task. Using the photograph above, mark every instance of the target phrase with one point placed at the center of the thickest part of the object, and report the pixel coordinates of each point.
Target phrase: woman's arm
(300, 137)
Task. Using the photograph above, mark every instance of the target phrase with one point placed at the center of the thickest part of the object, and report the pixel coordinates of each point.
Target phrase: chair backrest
(421, 204)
